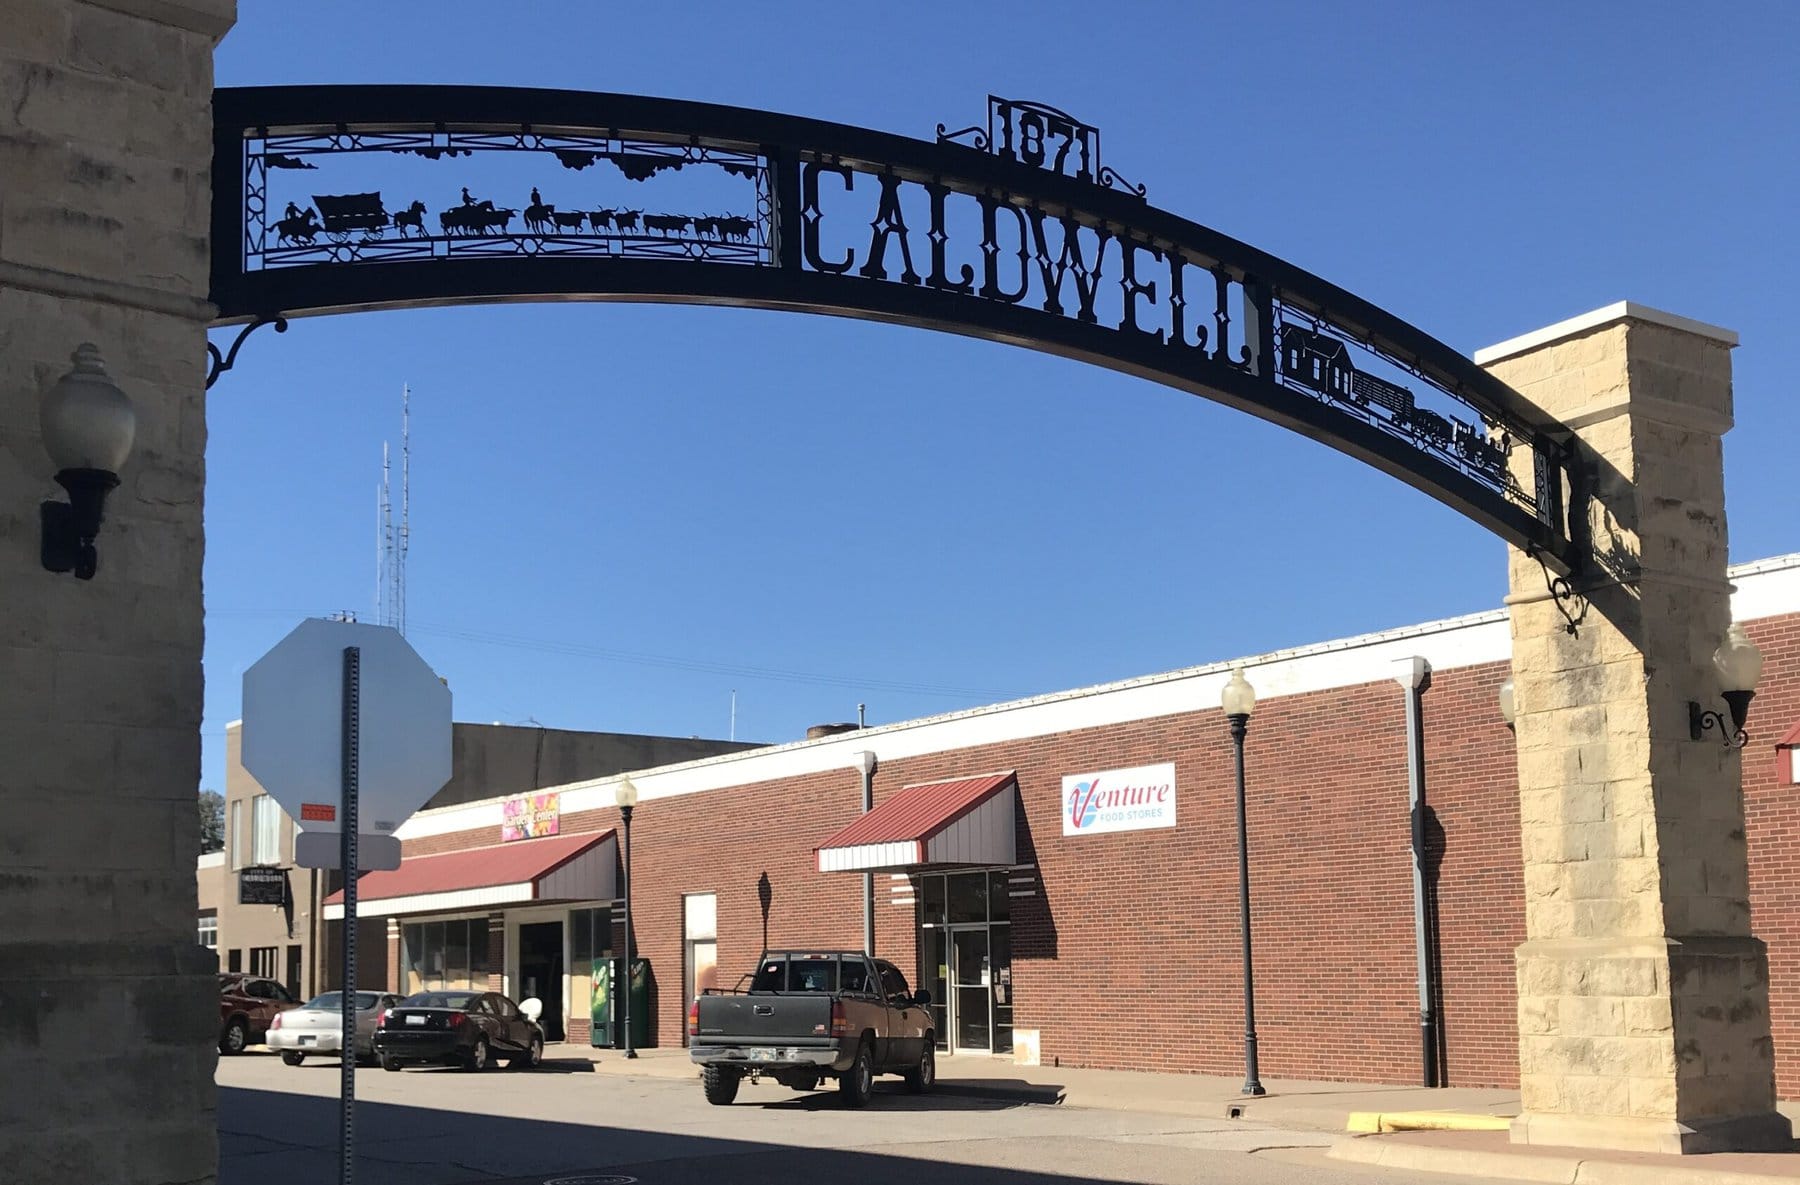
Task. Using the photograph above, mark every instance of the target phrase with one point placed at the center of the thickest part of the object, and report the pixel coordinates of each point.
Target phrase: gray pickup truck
(812, 1015)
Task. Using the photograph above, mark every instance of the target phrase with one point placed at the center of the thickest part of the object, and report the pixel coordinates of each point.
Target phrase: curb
(1374, 1122)
(1556, 1169)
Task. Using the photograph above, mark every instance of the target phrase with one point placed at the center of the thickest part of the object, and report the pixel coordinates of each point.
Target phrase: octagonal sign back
(293, 726)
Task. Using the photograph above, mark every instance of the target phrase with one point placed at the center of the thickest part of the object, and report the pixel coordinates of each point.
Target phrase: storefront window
(590, 938)
(999, 899)
(438, 956)
(931, 901)
(968, 898)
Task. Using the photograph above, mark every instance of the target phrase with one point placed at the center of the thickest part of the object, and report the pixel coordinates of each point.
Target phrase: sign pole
(347, 853)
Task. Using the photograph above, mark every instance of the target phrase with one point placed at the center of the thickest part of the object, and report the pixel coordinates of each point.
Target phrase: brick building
(1088, 944)
(292, 942)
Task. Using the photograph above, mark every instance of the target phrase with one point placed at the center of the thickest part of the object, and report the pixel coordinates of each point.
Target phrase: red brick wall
(1128, 956)
(1772, 825)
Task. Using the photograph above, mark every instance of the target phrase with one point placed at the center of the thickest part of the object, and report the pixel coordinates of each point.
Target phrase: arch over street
(346, 198)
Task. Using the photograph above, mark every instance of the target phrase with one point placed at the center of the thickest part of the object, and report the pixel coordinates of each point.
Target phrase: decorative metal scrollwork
(1043, 137)
(218, 363)
(1572, 604)
(1329, 363)
(370, 225)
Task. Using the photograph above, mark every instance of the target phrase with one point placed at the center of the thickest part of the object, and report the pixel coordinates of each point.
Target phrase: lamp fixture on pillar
(626, 795)
(1508, 712)
(1739, 664)
(1239, 700)
(88, 426)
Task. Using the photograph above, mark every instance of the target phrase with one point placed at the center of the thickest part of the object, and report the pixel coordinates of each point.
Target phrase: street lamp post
(1239, 700)
(626, 795)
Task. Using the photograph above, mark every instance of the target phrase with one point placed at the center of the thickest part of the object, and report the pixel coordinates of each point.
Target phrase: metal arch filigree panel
(356, 196)
(345, 198)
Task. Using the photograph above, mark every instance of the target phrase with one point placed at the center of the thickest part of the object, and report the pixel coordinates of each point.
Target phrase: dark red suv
(247, 1003)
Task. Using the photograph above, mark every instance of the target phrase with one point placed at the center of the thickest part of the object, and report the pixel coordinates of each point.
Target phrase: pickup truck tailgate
(764, 1020)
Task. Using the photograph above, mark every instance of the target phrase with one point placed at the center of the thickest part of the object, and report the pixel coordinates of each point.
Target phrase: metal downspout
(1411, 674)
(865, 761)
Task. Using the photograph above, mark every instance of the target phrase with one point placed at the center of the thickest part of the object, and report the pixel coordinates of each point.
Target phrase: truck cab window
(893, 985)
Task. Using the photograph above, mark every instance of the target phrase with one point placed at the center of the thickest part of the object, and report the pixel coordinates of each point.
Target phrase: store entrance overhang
(967, 822)
(561, 868)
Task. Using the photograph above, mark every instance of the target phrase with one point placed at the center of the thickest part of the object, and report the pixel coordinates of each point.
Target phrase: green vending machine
(601, 1007)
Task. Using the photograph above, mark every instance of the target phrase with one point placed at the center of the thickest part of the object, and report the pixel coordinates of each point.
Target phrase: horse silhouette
(413, 216)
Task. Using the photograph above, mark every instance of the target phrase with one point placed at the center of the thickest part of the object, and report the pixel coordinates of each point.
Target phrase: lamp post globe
(1508, 709)
(1239, 700)
(625, 794)
(1739, 664)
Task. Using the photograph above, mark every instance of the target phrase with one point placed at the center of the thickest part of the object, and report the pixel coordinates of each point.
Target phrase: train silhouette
(1323, 364)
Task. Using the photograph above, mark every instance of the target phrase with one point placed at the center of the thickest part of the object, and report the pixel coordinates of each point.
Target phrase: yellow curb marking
(1369, 1122)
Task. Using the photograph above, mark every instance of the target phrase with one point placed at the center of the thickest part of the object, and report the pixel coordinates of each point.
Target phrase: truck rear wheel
(922, 1077)
(857, 1085)
(720, 1084)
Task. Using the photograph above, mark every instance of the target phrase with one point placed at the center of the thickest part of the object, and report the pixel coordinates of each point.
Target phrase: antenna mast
(405, 538)
(384, 540)
(390, 590)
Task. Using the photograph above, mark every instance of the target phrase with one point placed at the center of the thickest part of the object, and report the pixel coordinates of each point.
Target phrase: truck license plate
(764, 1055)
(307, 1040)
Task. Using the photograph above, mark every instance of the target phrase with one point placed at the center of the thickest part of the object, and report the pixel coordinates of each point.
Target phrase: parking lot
(569, 1123)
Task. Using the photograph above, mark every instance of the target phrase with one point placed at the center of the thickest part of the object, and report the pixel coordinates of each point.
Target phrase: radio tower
(390, 573)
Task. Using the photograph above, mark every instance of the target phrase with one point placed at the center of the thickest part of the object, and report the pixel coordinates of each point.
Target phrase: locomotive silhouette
(1322, 363)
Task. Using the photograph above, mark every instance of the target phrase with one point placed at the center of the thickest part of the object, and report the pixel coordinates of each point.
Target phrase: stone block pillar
(1643, 995)
(108, 1005)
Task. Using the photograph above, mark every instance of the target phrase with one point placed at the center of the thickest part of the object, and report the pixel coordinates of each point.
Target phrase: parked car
(467, 1029)
(318, 1026)
(812, 1015)
(248, 1005)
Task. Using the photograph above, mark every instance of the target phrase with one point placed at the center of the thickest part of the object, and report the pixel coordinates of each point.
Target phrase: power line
(704, 666)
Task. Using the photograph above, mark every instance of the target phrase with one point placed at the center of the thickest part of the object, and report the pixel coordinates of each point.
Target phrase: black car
(460, 1028)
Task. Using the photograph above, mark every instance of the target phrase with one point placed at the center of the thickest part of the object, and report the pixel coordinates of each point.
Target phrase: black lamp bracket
(1731, 729)
(69, 528)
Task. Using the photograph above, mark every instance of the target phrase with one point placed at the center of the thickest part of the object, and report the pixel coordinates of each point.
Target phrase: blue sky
(621, 513)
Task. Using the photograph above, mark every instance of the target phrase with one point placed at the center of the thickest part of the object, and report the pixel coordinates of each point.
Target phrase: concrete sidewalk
(1324, 1106)
(1316, 1106)
(1321, 1106)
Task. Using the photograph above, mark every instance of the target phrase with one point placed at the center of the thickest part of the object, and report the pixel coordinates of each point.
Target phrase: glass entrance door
(971, 990)
(965, 959)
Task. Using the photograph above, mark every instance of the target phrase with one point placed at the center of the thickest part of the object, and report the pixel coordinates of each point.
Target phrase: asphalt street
(567, 1125)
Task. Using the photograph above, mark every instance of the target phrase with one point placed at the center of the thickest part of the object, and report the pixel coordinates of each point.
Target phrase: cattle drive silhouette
(342, 216)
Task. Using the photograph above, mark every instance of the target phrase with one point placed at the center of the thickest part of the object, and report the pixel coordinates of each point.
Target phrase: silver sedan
(318, 1026)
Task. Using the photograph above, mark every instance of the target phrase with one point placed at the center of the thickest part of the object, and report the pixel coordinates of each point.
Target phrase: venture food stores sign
(1119, 800)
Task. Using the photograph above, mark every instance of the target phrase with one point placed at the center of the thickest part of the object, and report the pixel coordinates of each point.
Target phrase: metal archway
(1014, 231)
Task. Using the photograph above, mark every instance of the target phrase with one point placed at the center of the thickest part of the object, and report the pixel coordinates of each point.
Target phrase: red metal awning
(967, 821)
(561, 868)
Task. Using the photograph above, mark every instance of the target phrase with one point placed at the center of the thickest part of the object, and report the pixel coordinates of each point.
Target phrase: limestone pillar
(1643, 995)
(108, 1012)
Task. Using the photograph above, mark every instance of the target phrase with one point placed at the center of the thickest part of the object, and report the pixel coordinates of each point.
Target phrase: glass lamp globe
(1738, 661)
(1507, 709)
(1238, 698)
(87, 422)
(625, 793)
